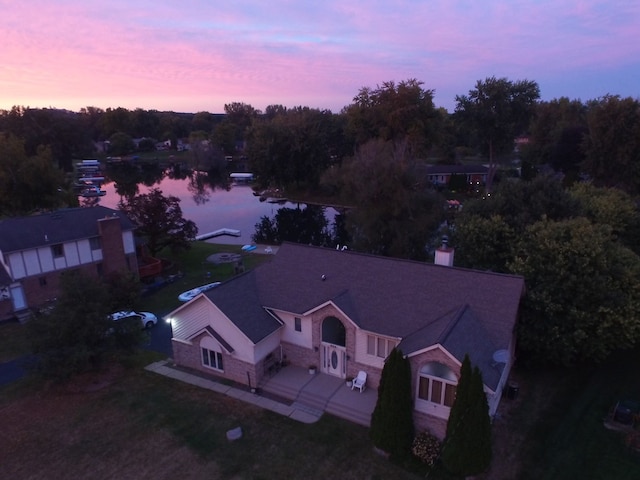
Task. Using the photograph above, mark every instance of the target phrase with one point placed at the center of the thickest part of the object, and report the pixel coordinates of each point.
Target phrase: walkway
(310, 395)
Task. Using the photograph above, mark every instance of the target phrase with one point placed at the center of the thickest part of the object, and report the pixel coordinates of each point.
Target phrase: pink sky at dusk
(197, 55)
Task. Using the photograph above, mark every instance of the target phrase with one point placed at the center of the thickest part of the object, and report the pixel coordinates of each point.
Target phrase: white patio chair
(360, 381)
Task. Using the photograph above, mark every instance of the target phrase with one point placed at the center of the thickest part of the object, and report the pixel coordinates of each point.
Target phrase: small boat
(248, 248)
(194, 292)
(92, 192)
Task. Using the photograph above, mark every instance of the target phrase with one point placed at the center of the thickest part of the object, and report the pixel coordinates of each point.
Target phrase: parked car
(147, 319)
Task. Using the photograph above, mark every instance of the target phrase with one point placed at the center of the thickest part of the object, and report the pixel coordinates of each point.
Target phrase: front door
(334, 360)
(17, 296)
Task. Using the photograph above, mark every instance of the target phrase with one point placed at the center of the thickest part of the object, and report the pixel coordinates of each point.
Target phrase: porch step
(307, 409)
(312, 400)
(349, 413)
(283, 390)
(24, 315)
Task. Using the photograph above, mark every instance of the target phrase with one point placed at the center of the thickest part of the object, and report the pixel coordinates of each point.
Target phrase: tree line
(294, 147)
(573, 233)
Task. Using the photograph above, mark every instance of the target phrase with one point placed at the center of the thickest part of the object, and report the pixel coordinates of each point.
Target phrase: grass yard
(146, 426)
(555, 430)
(197, 271)
(14, 341)
(141, 425)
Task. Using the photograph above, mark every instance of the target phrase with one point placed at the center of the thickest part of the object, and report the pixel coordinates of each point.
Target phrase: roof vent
(324, 277)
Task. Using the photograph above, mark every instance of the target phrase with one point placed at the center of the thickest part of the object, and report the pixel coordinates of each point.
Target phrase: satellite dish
(501, 356)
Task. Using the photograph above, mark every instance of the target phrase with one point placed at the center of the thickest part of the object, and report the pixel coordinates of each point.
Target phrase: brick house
(440, 175)
(35, 250)
(344, 312)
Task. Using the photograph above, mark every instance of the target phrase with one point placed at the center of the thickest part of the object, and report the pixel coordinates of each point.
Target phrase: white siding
(200, 313)
(71, 254)
(84, 251)
(128, 242)
(191, 318)
(31, 262)
(60, 262)
(289, 333)
(46, 259)
(17, 265)
(267, 345)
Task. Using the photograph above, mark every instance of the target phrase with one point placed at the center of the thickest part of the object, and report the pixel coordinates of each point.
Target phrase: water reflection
(213, 203)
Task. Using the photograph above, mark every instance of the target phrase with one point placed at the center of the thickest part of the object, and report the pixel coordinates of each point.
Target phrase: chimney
(444, 253)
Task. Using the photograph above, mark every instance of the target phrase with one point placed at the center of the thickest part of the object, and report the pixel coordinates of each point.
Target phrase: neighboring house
(344, 312)
(440, 175)
(35, 250)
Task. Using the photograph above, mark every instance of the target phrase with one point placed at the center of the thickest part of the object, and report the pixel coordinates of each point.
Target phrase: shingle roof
(392, 297)
(22, 233)
(239, 300)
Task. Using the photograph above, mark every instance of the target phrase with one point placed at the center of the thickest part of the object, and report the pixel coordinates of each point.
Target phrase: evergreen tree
(467, 446)
(392, 420)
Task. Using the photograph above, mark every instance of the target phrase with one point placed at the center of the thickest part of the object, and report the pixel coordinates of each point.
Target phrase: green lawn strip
(272, 446)
(571, 439)
(14, 341)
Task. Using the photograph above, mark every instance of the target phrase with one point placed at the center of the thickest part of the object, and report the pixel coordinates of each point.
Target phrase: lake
(213, 209)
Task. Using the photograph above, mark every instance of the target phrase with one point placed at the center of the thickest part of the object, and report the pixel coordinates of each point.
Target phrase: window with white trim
(379, 346)
(437, 384)
(212, 359)
(211, 353)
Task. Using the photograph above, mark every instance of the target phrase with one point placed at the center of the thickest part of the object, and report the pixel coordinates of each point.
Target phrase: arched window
(437, 384)
(333, 331)
(211, 353)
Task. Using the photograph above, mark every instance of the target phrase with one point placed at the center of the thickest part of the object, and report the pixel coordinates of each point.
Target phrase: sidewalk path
(301, 413)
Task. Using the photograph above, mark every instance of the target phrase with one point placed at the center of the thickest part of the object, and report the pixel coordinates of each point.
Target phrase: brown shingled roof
(383, 295)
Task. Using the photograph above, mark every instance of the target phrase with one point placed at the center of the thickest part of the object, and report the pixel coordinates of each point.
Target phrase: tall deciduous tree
(160, 221)
(612, 147)
(496, 111)
(27, 182)
(399, 113)
(392, 427)
(77, 335)
(396, 214)
(467, 447)
(484, 243)
(583, 292)
(556, 135)
(292, 148)
(612, 207)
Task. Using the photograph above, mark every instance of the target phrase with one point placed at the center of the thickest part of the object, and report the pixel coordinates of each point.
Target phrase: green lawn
(197, 271)
(147, 426)
(567, 439)
(14, 341)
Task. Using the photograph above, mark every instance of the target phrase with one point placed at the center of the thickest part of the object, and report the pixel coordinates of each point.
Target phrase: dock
(217, 233)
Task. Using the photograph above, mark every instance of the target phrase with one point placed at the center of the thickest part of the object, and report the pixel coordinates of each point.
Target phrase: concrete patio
(322, 393)
(291, 392)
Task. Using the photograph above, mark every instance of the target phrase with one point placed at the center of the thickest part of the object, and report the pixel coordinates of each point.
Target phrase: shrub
(426, 448)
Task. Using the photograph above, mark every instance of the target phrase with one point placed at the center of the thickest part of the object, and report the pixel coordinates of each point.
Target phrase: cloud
(198, 54)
